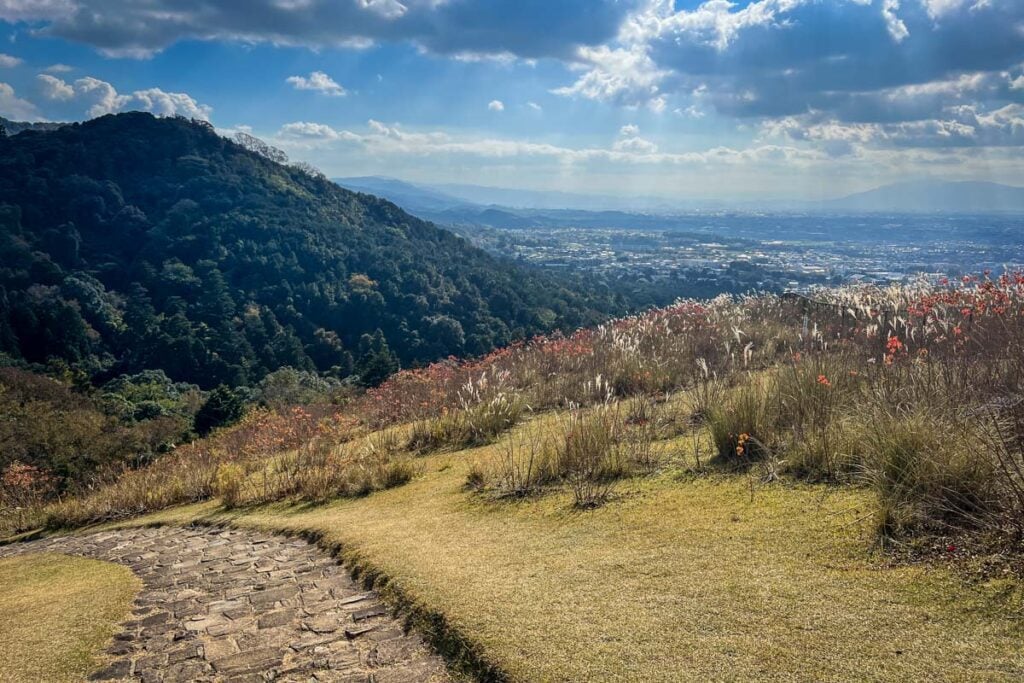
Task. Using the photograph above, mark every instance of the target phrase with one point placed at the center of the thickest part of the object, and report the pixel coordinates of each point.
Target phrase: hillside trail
(237, 605)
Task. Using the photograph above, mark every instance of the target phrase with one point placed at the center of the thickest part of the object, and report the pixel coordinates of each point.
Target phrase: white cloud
(960, 126)
(102, 98)
(897, 29)
(1017, 83)
(303, 130)
(59, 68)
(167, 104)
(692, 111)
(54, 88)
(630, 141)
(623, 75)
(389, 9)
(713, 22)
(8, 61)
(630, 149)
(34, 10)
(318, 81)
(496, 105)
(15, 108)
(536, 107)
(937, 9)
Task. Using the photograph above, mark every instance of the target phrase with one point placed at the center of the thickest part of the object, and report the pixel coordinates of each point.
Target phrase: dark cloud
(845, 58)
(526, 28)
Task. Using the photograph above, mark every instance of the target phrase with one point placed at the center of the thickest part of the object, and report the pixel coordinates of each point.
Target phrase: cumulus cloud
(959, 126)
(54, 88)
(58, 69)
(895, 66)
(783, 57)
(306, 131)
(8, 61)
(14, 107)
(897, 29)
(624, 75)
(318, 81)
(524, 28)
(630, 141)
(100, 97)
(496, 105)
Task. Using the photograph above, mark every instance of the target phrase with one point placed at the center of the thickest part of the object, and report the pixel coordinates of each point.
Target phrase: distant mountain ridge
(934, 195)
(450, 204)
(401, 192)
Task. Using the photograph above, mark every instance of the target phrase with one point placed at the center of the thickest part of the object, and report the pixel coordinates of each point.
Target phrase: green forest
(131, 243)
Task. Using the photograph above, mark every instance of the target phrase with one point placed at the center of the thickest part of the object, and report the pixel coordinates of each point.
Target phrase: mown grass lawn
(679, 578)
(56, 614)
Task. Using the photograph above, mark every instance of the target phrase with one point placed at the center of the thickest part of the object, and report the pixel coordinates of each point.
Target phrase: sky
(786, 99)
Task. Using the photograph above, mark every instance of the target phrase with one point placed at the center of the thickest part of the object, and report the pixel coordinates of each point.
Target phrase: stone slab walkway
(235, 605)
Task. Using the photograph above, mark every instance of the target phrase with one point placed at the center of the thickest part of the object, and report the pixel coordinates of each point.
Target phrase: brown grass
(703, 579)
(57, 613)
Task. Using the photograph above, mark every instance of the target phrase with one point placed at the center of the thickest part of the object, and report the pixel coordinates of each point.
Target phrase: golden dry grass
(56, 614)
(677, 579)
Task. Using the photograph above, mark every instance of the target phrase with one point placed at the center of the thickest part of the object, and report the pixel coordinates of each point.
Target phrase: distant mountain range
(934, 195)
(447, 196)
(504, 207)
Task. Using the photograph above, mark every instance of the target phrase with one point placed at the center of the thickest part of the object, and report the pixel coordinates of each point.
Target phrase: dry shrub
(228, 483)
(744, 424)
(525, 463)
(1003, 444)
(924, 469)
(816, 416)
(589, 456)
(478, 425)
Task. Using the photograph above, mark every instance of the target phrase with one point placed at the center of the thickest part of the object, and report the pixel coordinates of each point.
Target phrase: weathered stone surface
(119, 669)
(233, 605)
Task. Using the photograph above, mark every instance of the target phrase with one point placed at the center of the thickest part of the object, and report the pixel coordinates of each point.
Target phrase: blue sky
(767, 98)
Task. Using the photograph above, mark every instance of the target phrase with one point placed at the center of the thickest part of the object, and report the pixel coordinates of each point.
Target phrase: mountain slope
(934, 195)
(131, 242)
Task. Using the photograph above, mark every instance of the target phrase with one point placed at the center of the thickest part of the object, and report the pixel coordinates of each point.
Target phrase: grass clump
(587, 450)
(477, 425)
(926, 472)
(56, 614)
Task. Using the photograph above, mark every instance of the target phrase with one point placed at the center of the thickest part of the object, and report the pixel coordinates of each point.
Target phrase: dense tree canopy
(132, 243)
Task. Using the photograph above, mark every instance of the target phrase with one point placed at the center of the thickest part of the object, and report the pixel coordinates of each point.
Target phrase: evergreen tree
(223, 407)
(376, 360)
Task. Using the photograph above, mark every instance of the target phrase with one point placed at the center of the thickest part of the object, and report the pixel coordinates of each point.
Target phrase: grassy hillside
(684, 576)
(824, 488)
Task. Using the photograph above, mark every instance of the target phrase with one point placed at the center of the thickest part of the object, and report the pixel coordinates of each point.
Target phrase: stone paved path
(234, 605)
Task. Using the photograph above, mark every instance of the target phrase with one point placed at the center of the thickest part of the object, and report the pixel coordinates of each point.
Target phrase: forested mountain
(131, 242)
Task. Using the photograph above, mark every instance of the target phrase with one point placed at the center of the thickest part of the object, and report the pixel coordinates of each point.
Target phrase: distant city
(706, 252)
(702, 255)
